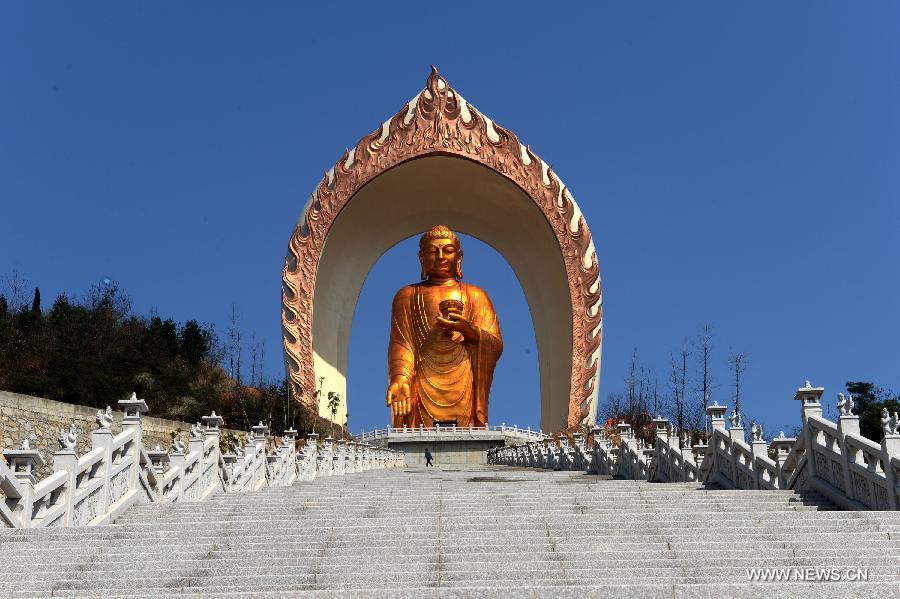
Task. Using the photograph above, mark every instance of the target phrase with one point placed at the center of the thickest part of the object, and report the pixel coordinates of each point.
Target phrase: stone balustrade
(381, 434)
(830, 458)
(118, 472)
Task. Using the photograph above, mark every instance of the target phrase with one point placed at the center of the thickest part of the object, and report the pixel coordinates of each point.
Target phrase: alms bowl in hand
(449, 306)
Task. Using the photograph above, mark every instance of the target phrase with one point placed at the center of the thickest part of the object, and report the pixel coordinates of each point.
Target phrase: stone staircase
(473, 531)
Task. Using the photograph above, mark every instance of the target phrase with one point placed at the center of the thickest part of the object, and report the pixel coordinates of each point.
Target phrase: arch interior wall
(471, 199)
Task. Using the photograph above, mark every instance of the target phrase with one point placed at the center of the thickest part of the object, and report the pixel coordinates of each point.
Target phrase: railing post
(758, 449)
(101, 438)
(255, 465)
(131, 420)
(177, 461)
(22, 462)
(289, 442)
(260, 431)
(197, 438)
(808, 396)
(158, 459)
(716, 415)
(736, 432)
(782, 446)
(65, 459)
(890, 446)
(661, 448)
(699, 453)
(848, 423)
(687, 456)
(212, 422)
(309, 462)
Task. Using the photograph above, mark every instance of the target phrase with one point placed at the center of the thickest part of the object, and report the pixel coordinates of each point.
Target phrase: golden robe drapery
(450, 378)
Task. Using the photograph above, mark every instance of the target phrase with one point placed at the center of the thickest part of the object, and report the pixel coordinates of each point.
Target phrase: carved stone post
(808, 396)
(687, 457)
(699, 452)
(158, 460)
(66, 460)
(661, 447)
(22, 462)
(177, 461)
(197, 439)
(782, 446)
(289, 445)
(254, 467)
(131, 420)
(736, 432)
(716, 415)
(352, 457)
(212, 422)
(230, 461)
(326, 464)
(260, 431)
(290, 438)
(758, 449)
(341, 458)
(102, 438)
(890, 446)
(309, 457)
(848, 424)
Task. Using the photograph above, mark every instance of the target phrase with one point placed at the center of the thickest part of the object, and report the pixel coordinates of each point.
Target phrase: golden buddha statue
(445, 342)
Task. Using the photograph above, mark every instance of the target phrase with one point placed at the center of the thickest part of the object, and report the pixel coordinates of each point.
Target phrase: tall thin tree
(738, 365)
(705, 384)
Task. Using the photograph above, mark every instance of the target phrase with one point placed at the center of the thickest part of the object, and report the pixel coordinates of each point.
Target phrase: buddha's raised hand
(399, 396)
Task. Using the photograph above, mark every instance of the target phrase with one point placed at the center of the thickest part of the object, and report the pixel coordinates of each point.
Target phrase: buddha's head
(440, 254)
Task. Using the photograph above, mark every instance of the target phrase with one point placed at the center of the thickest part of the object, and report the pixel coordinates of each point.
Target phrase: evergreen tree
(870, 400)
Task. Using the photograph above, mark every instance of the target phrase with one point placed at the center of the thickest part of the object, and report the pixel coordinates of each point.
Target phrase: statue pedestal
(449, 445)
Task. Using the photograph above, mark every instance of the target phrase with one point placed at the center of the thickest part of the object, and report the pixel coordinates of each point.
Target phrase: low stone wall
(458, 446)
(39, 420)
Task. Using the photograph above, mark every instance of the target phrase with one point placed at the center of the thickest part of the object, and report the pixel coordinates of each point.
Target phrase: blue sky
(737, 166)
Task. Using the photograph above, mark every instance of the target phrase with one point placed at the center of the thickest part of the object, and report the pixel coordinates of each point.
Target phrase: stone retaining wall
(39, 420)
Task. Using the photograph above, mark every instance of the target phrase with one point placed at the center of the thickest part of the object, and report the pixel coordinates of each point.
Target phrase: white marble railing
(118, 472)
(380, 434)
(828, 457)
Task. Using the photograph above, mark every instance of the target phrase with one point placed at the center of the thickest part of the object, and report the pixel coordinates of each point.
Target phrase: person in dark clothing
(428, 458)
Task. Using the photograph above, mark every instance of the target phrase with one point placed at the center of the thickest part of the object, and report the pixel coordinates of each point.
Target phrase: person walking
(428, 458)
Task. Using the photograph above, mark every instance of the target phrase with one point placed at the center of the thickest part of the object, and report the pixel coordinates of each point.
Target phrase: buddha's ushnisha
(445, 342)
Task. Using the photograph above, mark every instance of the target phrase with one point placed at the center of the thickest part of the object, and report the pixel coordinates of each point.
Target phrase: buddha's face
(440, 258)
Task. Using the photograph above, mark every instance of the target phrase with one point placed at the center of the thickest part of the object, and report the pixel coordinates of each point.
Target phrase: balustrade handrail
(118, 472)
(831, 458)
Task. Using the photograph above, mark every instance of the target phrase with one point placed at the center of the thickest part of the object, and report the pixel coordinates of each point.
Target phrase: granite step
(461, 532)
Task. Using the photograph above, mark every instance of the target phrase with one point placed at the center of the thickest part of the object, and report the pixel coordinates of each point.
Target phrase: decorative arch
(440, 160)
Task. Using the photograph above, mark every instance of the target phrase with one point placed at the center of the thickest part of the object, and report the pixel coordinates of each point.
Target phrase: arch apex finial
(435, 83)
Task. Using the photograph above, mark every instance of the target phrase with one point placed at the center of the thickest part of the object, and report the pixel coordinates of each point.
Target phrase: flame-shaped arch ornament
(438, 121)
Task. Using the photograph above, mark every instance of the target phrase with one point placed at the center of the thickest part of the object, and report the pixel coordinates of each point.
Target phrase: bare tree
(631, 382)
(614, 406)
(738, 365)
(262, 359)
(705, 382)
(678, 380)
(254, 354)
(16, 287)
(658, 403)
(235, 347)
